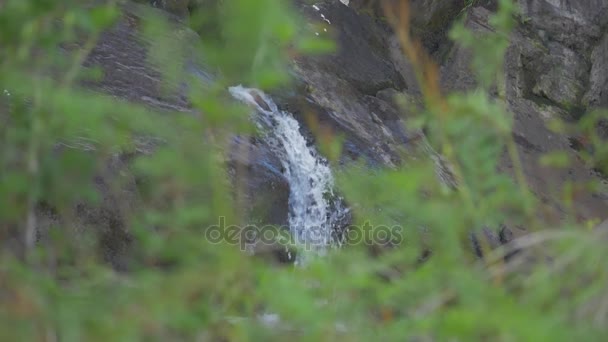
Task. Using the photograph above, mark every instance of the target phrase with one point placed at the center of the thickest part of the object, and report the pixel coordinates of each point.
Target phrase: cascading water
(314, 210)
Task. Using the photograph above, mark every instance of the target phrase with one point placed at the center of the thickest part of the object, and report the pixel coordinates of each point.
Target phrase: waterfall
(314, 210)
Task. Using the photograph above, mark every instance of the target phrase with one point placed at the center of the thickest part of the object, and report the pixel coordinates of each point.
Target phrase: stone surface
(531, 81)
(127, 72)
(536, 69)
(556, 65)
(597, 94)
(260, 187)
(574, 23)
(432, 18)
(562, 77)
(361, 53)
(344, 85)
(122, 56)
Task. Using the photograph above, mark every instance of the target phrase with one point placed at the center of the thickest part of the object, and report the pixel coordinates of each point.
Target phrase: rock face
(575, 24)
(564, 37)
(567, 31)
(127, 74)
(126, 69)
(597, 93)
(345, 86)
(548, 74)
(265, 190)
(557, 66)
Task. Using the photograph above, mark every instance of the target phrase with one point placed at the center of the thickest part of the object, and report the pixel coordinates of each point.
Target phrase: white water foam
(313, 208)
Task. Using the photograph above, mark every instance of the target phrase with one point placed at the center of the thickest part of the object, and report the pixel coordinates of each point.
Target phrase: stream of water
(314, 210)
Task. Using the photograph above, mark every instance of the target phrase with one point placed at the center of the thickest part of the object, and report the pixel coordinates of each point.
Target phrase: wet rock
(345, 84)
(346, 107)
(261, 189)
(361, 53)
(316, 119)
(386, 115)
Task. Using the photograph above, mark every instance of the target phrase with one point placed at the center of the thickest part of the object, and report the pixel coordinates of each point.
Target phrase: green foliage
(57, 137)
